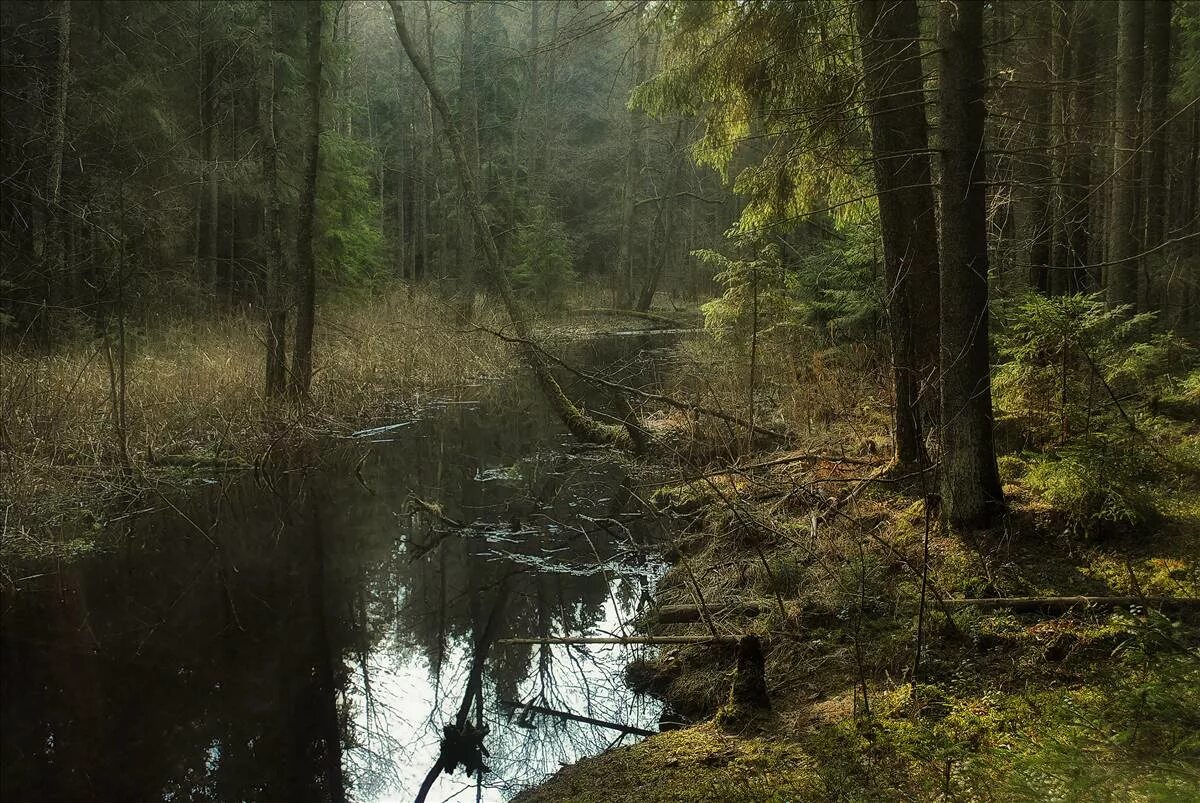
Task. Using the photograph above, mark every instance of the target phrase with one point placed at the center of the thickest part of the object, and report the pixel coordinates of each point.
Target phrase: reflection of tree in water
(180, 667)
(232, 646)
(560, 587)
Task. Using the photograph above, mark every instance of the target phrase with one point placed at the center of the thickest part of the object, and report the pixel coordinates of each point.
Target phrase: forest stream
(298, 633)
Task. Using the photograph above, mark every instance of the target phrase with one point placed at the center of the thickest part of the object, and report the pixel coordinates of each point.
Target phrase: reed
(194, 390)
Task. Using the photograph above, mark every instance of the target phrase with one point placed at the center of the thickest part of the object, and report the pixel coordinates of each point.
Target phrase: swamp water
(304, 634)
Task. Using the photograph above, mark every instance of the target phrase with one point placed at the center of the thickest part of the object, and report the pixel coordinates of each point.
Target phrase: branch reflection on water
(308, 633)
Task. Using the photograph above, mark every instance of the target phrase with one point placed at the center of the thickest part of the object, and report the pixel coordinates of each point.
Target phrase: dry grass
(196, 389)
(826, 398)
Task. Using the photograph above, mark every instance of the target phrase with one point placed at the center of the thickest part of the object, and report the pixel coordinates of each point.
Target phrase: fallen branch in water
(632, 391)
(624, 640)
(538, 709)
(1064, 604)
(583, 426)
(421, 550)
(633, 313)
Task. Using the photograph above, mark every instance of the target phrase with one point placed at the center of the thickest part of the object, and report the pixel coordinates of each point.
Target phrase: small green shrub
(1065, 358)
(543, 267)
(1094, 480)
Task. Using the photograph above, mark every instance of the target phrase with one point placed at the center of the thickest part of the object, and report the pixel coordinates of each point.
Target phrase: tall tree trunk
(665, 224)
(347, 122)
(533, 104)
(889, 31)
(1077, 180)
(1040, 187)
(1158, 68)
(1187, 315)
(306, 264)
(468, 109)
(402, 202)
(578, 422)
(56, 131)
(276, 309)
(1123, 223)
(545, 136)
(970, 480)
(210, 145)
(420, 224)
(1060, 146)
(432, 185)
(633, 170)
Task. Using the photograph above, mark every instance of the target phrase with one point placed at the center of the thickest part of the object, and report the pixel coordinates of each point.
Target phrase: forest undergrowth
(883, 684)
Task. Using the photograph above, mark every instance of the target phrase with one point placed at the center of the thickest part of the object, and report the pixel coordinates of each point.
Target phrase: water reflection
(305, 636)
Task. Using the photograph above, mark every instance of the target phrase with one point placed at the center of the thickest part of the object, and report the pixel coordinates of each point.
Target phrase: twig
(539, 709)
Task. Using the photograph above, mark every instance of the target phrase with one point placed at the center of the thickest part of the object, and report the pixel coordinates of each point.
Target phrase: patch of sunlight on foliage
(1159, 575)
(826, 286)
(1138, 739)
(1059, 354)
(732, 64)
(694, 764)
(1189, 388)
(1132, 734)
(1095, 479)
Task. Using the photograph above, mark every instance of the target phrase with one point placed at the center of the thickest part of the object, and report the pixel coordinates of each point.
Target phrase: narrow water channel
(305, 633)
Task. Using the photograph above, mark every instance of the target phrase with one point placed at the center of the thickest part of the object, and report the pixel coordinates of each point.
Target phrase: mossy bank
(987, 704)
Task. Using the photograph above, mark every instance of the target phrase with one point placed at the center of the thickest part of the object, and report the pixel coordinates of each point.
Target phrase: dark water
(305, 633)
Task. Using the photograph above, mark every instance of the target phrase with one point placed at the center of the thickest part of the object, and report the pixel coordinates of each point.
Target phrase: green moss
(694, 764)
(1131, 735)
(1154, 576)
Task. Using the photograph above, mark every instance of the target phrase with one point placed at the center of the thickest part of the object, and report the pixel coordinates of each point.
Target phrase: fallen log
(200, 462)
(682, 614)
(1064, 604)
(538, 709)
(627, 640)
(633, 313)
(632, 391)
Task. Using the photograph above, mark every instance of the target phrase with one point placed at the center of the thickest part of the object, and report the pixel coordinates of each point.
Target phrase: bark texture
(889, 31)
(1077, 178)
(1123, 222)
(273, 301)
(306, 264)
(468, 109)
(56, 129)
(1040, 188)
(970, 480)
(633, 171)
(211, 194)
(1158, 69)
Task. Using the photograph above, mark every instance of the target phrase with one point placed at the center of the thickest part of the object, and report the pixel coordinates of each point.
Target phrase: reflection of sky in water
(396, 726)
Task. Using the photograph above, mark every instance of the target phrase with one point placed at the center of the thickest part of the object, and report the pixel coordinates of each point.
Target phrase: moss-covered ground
(1100, 704)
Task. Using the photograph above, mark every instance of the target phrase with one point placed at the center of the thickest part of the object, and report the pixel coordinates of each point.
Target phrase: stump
(748, 694)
